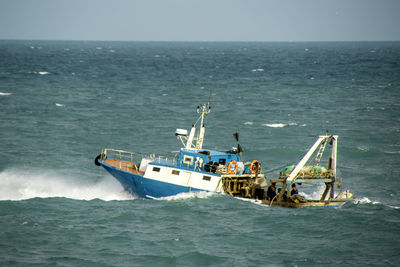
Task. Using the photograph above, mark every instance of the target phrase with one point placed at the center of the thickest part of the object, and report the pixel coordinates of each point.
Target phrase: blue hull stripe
(139, 186)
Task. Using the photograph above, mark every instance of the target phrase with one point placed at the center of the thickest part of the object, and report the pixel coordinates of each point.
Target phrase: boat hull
(140, 186)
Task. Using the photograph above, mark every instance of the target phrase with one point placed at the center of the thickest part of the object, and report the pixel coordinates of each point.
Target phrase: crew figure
(284, 198)
(271, 192)
(294, 190)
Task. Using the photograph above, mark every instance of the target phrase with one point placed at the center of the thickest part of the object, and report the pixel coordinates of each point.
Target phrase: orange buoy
(233, 162)
(255, 166)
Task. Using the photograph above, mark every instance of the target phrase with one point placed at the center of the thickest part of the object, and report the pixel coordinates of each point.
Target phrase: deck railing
(109, 153)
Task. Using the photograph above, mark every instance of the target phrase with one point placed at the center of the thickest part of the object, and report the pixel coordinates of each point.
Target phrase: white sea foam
(188, 195)
(365, 200)
(60, 105)
(43, 72)
(19, 185)
(275, 125)
(254, 201)
(257, 70)
(248, 123)
(1, 93)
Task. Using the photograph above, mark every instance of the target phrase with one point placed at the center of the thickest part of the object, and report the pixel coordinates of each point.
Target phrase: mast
(204, 110)
(191, 137)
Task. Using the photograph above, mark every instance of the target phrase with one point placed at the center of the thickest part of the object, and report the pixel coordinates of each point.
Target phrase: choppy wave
(18, 185)
(315, 193)
(366, 200)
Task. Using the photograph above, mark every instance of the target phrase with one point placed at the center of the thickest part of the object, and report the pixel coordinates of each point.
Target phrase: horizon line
(203, 41)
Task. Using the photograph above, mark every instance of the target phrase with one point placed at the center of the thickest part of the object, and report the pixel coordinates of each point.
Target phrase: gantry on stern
(310, 171)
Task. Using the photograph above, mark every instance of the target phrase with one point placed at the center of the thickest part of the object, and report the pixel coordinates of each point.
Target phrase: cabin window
(175, 172)
(156, 169)
(206, 178)
(222, 161)
(188, 160)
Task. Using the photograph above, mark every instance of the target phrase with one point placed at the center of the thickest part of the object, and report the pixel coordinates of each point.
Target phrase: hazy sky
(201, 20)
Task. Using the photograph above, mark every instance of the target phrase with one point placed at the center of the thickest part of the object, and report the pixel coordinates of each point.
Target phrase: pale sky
(201, 20)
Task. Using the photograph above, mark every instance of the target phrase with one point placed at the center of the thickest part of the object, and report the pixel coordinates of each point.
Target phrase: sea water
(62, 102)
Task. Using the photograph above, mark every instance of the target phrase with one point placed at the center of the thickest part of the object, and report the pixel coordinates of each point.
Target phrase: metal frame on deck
(328, 179)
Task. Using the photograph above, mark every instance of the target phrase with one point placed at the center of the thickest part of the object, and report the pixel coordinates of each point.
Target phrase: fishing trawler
(197, 169)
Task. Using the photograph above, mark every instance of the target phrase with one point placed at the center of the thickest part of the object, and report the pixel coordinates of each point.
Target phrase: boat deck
(124, 165)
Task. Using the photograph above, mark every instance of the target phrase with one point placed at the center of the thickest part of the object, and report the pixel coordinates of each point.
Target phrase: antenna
(239, 147)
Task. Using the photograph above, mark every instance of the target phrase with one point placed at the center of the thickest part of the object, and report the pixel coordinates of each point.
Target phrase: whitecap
(20, 185)
(5, 93)
(391, 152)
(248, 123)
(257, 70)
(43, 72)
(59, 105)
(363, 148)
(275, 125)
(292, 124)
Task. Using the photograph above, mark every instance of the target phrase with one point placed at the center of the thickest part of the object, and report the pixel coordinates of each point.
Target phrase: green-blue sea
(62, 102)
